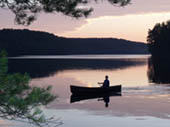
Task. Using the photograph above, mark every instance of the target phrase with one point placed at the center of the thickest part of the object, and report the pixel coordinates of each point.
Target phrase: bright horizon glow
(131, 27)
(131, 22)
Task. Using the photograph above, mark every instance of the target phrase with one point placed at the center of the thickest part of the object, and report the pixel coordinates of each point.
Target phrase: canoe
(76, 98)
(79, 90)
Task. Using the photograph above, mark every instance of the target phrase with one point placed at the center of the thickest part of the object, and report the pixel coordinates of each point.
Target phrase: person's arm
(100, 82)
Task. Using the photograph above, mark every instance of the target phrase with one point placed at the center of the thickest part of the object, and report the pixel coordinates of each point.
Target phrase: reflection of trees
(159, 70)
(45, 67)
(20, 101)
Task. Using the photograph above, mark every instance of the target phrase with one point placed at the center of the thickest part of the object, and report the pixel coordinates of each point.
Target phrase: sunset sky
(131, 22)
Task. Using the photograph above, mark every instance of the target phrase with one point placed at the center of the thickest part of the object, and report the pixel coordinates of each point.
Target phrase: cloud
(136, 7)
(131, 27)
(54, 23)
(59, 24)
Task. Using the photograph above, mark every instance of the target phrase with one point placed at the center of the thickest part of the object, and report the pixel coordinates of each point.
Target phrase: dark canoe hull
(78, 90)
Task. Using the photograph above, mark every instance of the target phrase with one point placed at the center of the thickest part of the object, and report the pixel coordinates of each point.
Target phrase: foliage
(18, 99)
(159, 40)
(42, 43)
(26, 10)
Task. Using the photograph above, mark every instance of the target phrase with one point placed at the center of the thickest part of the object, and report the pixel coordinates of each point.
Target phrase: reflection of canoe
(75, 98)
(79, 90)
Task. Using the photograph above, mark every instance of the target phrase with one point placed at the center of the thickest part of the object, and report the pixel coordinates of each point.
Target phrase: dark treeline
(159, 40)
(159, 46)
(26, 42)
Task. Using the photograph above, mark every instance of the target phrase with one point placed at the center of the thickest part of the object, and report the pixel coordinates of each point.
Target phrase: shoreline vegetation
(27, 42)
(158, 41)
(19, 100)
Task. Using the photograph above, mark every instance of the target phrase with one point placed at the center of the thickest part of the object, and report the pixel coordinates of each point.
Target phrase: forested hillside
(26, 42)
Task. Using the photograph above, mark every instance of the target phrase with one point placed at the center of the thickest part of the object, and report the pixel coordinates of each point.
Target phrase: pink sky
(131, 22)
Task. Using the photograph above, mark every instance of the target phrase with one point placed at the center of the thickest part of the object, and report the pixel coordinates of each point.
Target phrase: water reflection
(106, 99)
(38, 68)
(139, 97)
(159, 70)
(100, 97)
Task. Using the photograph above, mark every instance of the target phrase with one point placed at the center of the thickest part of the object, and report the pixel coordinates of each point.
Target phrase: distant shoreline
(87, 56)
(27, 42)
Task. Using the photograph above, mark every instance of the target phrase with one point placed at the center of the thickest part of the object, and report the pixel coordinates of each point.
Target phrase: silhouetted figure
(106, 82)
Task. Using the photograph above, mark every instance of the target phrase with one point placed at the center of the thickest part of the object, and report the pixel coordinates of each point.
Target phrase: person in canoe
(106, 82)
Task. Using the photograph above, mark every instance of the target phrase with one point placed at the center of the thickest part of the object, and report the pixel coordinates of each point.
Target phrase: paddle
(99, 83)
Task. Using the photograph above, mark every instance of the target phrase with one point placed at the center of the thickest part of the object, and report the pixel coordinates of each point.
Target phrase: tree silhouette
(159, 40)
(30, 42)
(18, 100)
(26, 10)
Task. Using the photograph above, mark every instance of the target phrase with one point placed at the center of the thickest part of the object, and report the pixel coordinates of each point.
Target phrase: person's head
(106, 77)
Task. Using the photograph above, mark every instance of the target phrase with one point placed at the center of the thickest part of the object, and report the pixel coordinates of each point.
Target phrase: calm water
(141, 104)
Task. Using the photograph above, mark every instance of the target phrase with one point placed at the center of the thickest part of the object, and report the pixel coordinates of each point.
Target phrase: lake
(142, 103)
